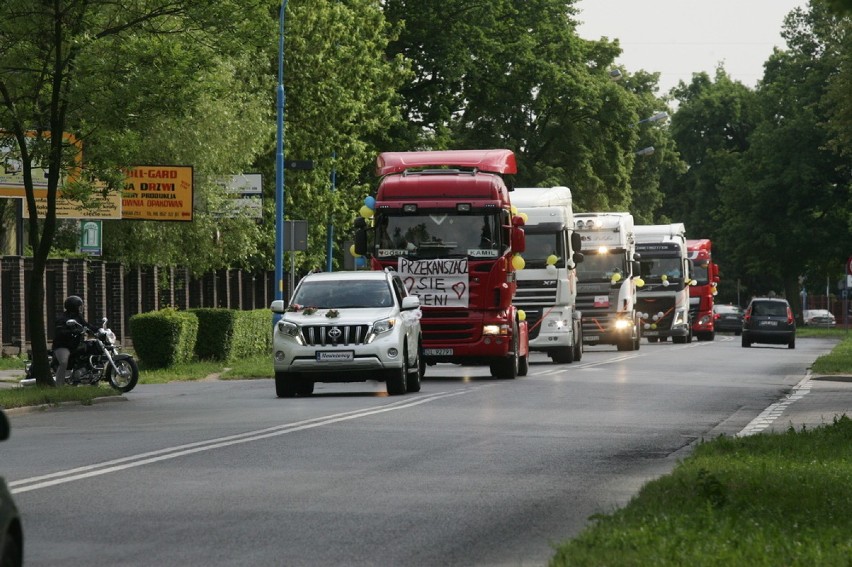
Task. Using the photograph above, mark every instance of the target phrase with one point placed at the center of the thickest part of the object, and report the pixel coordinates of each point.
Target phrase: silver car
(347, 327)
(11, 532)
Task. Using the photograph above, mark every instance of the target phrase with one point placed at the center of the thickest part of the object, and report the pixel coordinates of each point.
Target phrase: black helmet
(73, 303)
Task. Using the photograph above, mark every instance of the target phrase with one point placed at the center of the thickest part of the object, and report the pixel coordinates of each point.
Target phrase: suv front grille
(334, 335)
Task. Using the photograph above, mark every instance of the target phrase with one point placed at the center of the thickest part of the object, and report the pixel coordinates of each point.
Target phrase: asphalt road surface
(470, 471)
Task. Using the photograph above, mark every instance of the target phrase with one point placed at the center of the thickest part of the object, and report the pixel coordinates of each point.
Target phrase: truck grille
(654, 305)
(334, 335)
(597, 320)
(535, 297)
(441, 327)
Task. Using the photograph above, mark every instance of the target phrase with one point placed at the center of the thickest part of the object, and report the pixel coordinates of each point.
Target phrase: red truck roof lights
(490, 161)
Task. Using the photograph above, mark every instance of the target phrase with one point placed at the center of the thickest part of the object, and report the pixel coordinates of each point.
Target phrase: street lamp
(660, 116)
(279, 164)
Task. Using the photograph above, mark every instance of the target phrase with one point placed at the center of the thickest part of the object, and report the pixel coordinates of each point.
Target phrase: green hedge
(227, 334)
(164, 338)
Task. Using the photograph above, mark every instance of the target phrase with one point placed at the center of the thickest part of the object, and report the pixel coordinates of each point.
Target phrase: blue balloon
(370, 201)
(360, 262)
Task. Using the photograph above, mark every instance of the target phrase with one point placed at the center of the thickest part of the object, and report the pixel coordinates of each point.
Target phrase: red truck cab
(703, 291)
(445, 222)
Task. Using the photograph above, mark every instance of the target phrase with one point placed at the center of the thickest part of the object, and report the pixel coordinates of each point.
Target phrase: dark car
(728, 319)
(769, 320)
(11, 534)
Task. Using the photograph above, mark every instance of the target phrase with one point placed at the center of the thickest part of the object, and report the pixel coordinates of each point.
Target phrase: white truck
(547, 286)
(663, 302)
(606, 291)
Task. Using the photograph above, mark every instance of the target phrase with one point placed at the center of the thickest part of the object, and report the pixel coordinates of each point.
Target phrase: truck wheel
(285, 384)
(507, 368)
(637, 336)
(524, 365)
(578, 344)
(564, 355)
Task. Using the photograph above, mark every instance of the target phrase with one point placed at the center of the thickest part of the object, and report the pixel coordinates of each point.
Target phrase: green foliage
(38, 395)
(227, 334)
(164, 338)
(780, 499)
(252, 334)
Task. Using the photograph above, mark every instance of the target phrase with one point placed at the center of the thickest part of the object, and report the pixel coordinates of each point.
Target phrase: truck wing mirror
(361, 241)
(577, 257)
(519, 240)
(576, 242)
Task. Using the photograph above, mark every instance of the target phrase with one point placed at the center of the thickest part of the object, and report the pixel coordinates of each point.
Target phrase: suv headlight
(381, 327)
(291, 330)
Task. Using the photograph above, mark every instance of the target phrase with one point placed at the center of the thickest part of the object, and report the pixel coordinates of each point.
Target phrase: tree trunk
(35, 320)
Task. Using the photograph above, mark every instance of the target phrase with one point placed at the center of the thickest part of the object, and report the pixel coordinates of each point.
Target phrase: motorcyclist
(65, 341)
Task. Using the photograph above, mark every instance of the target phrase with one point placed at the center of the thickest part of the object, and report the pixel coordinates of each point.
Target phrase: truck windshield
(440, 235)
(540, 246)
(654, 269)
(699, 274)
(600, 266)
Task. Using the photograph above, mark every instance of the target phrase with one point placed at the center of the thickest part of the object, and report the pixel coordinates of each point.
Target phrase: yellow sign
(158, 192)
(108, 207)
(12, 171)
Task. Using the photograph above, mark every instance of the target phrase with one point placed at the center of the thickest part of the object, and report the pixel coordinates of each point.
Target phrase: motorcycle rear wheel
(128, 375)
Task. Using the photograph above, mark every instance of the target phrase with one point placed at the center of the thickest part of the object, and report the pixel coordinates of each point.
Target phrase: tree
(59, 62)
(516, 75)
(789, 171)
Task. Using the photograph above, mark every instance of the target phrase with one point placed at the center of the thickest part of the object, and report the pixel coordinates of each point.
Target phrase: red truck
(702, 292)
(444, 221)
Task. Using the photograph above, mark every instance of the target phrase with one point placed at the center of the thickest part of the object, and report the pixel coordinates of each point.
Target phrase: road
(470, 471)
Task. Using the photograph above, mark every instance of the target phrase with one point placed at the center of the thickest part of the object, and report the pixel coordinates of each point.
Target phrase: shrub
(164, 338)
(227, 334)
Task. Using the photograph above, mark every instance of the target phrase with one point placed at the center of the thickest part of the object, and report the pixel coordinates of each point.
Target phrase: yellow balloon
(513, 209)
(552, 259)
(616, 277)
(664, 277)
(639, 282)
(518, 263)
(366, 212)
(524, 216)
(352, 251)
(522, 316)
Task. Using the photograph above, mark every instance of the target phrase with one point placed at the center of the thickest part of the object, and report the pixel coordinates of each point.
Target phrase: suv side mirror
(410, 302)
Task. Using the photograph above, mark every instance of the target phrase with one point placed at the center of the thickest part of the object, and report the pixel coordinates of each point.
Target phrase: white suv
(347, 327)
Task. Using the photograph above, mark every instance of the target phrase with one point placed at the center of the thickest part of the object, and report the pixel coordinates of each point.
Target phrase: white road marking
(116, 465)
(773, 412)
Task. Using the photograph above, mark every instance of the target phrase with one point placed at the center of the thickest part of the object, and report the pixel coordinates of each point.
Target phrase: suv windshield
(331, 294)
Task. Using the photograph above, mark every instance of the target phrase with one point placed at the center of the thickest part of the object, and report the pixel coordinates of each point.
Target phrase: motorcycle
(98, 358)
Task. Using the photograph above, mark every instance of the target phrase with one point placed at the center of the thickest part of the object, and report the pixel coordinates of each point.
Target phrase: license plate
(335, 355)
(438, 351)
(591, 338)
(650, 333)
(769, 323)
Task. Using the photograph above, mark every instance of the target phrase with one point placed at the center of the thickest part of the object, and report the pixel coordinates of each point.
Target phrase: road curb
(45, 407)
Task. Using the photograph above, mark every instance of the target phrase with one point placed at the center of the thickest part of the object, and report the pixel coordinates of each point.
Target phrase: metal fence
(115, 291)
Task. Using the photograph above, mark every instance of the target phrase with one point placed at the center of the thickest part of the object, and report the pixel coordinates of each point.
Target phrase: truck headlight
(621, 324)
(502, 330)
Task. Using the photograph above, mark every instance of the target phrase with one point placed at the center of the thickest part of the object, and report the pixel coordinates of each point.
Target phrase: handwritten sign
(438, 283)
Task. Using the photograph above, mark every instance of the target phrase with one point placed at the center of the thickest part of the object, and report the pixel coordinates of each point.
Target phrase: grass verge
(256, 367)
(770, 499)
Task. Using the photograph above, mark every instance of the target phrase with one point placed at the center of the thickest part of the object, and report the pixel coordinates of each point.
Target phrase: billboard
(158, 192)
